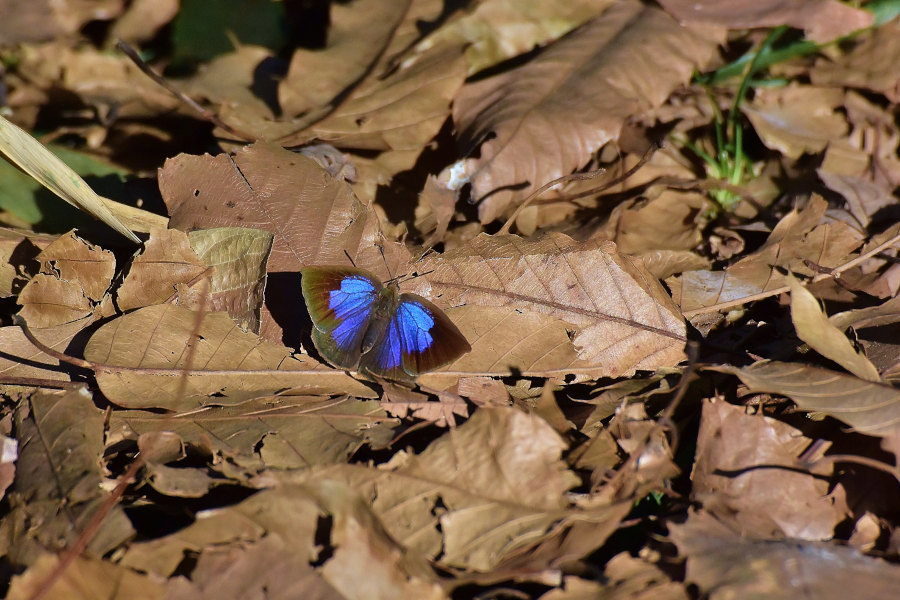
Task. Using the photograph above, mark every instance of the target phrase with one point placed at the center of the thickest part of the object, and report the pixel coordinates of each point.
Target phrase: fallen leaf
(57, 489)
(814, 328)
(726, 564)
(869, 407)
(166, 260)
(822, 21)
(548, 116)
(747, 473)
(85, 579)
(142, 357)
(621, 318)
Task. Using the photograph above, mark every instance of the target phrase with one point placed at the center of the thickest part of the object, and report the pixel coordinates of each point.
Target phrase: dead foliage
(682, 377)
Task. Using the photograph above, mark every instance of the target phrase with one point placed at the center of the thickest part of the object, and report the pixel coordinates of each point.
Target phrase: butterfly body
(361, 325)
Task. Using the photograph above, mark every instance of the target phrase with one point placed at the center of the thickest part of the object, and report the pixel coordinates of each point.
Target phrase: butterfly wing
(340, 301)
(419, 337)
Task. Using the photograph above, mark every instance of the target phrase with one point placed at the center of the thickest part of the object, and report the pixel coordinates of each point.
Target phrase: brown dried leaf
(822, 20)
(48, 301)
(21, 359)
(798, 237)
(403, 402)
(746, 472)
(45, 20)
(284, 513)
(622, 318)
(99, 78)
(85, 578)
(142, 19)
(18, 254)
(494, 486)
(625, 578)
(239, 256)
(269, 541)
(357, 35)
(869, 407)
(864, 197)
(74, 277)
(166, 260)
(314, 217)
(264, 569)
(498, 30)
(726, 564)
(797, 119)
(232, 80)
(814, 328)
(143, 354)
(551, 114)
(402, 111)
(58, 490)
(884, 314)
(367, 563)
(868, 64)
(286, 432)
(670, 221)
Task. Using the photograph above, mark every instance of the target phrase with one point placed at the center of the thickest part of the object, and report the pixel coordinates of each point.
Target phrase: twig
(833, 274)
(158, 79)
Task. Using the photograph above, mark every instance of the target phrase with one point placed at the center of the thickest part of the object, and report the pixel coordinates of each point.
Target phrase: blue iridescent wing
(419, 337)
(340, 301)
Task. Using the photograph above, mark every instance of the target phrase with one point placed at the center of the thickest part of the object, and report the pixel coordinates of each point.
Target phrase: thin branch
(206, 115)
(832, 274)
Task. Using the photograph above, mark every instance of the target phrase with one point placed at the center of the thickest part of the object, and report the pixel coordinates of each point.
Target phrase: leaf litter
(682, 380)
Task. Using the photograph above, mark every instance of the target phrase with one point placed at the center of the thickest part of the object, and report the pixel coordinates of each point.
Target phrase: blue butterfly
(361, 325)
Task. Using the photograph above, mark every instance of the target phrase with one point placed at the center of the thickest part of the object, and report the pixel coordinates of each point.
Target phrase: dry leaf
(239, 256)
(868, 64)
(57, 489)
(74, 277)
(358, 34)
(814, 328)
(142, 355)
(280, 433)
(747, 473)
(85, 579)
(797, 119)
(166, 260)
(725, 564)
(493, 485)
(822, 21)
(621, 318)
(869, 407)
(548, 116)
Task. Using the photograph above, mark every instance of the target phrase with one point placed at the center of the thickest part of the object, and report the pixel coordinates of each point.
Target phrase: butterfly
(361, 325)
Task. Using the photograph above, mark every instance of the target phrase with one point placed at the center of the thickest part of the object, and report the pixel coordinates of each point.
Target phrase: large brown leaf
(822, 20)
(358, 34)
(548, 116)
(281, 432)
(143, 355)
(869, 407)
(57, 488)
(525, 299)
(728, 564)
(315, 218)
(746, 472)
(483, 492)
(86, 578)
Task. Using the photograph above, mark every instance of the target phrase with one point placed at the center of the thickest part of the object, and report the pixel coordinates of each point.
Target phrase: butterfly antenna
(350, 258)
